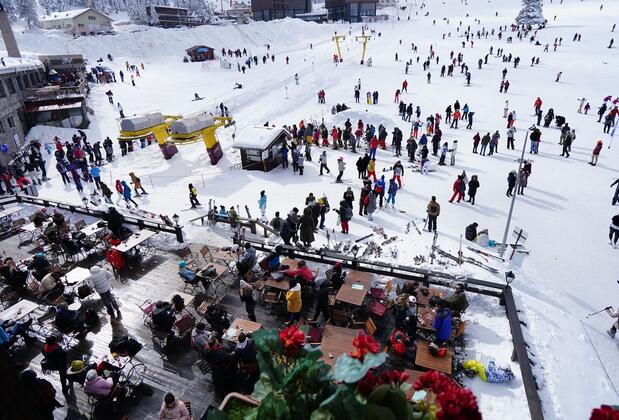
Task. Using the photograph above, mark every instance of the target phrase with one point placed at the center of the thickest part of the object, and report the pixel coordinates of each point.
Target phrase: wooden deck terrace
(178, 373)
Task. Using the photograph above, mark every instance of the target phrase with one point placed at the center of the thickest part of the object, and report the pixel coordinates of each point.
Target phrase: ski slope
(566, 209)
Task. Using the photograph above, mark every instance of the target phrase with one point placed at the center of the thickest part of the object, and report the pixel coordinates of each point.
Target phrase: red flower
(292, 339)
(455, 403)
(364, 344)
(367, 384)
(605, 412)
(396, 340)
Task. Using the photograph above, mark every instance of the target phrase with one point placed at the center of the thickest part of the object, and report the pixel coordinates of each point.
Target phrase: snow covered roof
(23, 63)
(70, 14)
(258, 137)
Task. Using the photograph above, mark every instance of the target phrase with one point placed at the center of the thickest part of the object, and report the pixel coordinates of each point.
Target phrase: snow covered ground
(566, 209)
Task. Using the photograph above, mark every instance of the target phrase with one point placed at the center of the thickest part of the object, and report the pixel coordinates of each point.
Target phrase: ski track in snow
(566, 208)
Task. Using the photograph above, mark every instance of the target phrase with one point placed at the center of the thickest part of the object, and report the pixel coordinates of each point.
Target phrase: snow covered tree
(9, 8)
(531, 13)
(136, 9)
(200, 8)
(27, 10)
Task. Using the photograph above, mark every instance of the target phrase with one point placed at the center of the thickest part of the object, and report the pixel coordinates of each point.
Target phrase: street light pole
(511, 206)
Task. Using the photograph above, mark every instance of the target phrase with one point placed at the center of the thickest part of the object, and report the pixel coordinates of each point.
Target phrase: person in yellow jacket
(372, 169)
(293, 300)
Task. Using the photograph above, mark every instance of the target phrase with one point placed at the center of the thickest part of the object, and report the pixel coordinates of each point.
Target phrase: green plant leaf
(385, 396)
(311, 352)
(350, 370)
(342, 405)
(262, 388)
(216, 414)
(378, 412)
(274, 408)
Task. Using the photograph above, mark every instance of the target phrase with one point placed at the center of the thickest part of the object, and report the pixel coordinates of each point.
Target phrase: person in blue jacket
(379, 187)
(95, 172)
(127, 194)
(442, 324)
(391, 192)
(262, 204)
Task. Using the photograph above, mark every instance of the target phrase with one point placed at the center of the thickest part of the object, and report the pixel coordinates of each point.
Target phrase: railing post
(179, 233)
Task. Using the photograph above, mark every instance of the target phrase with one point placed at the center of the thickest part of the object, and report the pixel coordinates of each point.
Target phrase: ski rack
(501, 291)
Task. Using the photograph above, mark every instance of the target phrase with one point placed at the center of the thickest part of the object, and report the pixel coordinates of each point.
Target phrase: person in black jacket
(473, 186)
(223, 364)
(614, 231)
(511, 183)
(322, 299)
(57, 360)
(470, 233)
(42, 394)
(114, 221)
(246, 294)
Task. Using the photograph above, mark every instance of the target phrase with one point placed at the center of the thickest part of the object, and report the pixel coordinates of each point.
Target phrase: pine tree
(136, 9)
(531, 13)
(27, 10)
(199, 8)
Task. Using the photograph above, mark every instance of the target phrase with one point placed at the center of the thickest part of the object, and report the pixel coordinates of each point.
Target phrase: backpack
(348, 213)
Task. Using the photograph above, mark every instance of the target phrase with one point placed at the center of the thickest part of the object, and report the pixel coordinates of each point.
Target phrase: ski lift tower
(337, 39)
(365, 39)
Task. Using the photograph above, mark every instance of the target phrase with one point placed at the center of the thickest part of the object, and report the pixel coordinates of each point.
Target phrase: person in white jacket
(615, 326)
(453, 150)
(99, 280)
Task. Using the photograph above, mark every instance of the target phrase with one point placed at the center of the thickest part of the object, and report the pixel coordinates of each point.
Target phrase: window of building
(2, 91)
(26, 81)
(80, 25)
(33, 81)
(92, 18)
(11, 122)
(10, 85)
(1, 128)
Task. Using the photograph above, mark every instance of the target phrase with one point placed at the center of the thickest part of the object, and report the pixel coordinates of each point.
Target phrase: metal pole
(511, 206)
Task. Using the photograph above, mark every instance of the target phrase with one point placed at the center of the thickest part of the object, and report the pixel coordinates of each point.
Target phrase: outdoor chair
(204, 252)
(186, 255)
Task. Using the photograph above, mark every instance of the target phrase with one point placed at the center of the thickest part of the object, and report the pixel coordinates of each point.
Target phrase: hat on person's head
(91, 375)
(28, 376)
(412, 299)
(76, 366)
(182, 264)
(40, 255)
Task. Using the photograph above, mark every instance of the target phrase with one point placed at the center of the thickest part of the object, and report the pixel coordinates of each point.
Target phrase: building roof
(70, 14)
(258, 137)
(198, 48)
(20, 64)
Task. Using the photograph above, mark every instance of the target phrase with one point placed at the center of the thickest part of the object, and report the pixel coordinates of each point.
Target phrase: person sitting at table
(442, 324)
(51, 286)
(245, 349)
(248, 260)
(400, 311)
(173, 409)
(246, 354)
(223, 366)
(302, 271)
(98, 386)
(293, 300)
(178, 304)
(68, 321)
(457, 302)
(163, 316)
(42, 393)
(39, 265)
(273, 260)
(39, 217)
(13, 276)
(338, 276)
(322, 302)
(200, 336)
(58, 219)
(410, 288)
(410, 321)
(193, 277)
(10, 333)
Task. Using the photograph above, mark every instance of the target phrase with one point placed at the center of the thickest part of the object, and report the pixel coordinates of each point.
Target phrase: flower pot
(236, 405)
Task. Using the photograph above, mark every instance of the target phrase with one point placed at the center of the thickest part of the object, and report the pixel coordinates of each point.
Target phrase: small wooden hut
(260, 147)
(200, 53)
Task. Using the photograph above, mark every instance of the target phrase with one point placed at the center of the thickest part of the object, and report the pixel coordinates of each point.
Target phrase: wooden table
(135, 239)
(425, 299)
(224, 256)
(427, 318)
(336, 341)
(20, 310)
(412, 378)
(92, 229)
(186, 297)
(425, 359)
(240, 325)
(283, 283)
(76, 276)
(355, 287)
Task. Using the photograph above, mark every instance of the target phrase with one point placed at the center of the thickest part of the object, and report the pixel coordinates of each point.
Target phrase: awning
(52, 107)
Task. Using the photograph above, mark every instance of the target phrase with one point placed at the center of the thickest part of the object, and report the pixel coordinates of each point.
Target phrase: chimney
(7, 34)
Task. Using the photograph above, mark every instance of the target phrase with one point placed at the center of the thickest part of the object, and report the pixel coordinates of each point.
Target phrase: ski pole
(597, 312)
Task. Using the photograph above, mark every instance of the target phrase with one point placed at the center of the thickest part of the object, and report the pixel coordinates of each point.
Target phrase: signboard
(16, 138)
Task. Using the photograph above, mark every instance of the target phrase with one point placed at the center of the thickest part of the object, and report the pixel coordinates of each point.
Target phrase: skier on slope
(614, 231)
(459, 187)
(341, 165)
(193, 196)
(323, 163)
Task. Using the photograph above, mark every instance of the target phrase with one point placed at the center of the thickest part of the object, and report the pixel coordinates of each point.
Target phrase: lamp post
(177, 229)
(511, 206)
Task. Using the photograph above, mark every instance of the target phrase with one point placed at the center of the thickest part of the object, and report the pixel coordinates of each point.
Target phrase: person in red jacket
(373, 146)
(336, 135)
(596, 153)
(537, 105)
(458, 189)
(303, 271)
(404, 86)
(455, 119)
